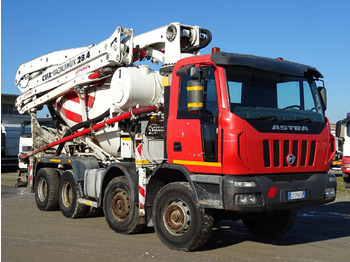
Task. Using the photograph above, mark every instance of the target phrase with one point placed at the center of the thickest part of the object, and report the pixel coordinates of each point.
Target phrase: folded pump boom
(48, 77)
(83, 84)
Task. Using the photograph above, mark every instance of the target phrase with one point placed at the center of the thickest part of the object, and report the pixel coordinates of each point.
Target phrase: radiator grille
(276, 152)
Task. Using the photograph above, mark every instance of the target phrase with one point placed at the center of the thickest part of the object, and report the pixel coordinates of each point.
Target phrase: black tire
(272, 225)
(346, 178)
(46, 189)
(95, 212)
(179, 221)
(68, 195)
(120, 212)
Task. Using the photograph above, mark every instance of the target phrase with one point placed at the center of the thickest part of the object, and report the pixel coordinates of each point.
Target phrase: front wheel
(179, 221)
(271, 225)
(346, 178)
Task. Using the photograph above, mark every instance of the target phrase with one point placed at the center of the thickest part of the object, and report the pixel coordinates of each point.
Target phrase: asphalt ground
(28, 234)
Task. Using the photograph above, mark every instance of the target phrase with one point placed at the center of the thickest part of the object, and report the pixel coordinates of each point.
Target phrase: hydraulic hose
(205, 41)
(134, 112)
(81, 125)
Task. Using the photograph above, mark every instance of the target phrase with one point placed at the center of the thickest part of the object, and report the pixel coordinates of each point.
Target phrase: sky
(313, 32)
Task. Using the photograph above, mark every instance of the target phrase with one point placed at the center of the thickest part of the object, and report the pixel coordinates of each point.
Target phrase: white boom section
(52, 75)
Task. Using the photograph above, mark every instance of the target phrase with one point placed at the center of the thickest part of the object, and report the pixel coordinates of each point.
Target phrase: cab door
(195, 136)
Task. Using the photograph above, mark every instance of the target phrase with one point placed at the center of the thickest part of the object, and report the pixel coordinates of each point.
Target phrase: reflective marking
(194, 88)
(55, 160)
(272, 192)
(142, 162)
(197, 163)
(195, 105)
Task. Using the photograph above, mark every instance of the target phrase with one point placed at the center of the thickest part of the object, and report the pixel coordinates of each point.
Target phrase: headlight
(246, 199)
(329, 193)
(244, 184)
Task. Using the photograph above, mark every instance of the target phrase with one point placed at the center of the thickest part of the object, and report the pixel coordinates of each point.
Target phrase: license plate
(296, 195)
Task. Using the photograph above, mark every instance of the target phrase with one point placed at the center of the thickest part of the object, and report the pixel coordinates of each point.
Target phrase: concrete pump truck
(205, 137)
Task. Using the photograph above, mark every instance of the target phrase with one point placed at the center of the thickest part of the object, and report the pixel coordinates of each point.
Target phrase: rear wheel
(178, 220)
(271, 225)
(46, 189)
(120, 209)
(68, 197)
(94, 212)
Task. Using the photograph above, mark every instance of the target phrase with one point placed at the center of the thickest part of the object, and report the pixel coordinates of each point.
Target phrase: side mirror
(185, 70)
(193, 71)
(195, 96)
(323, 93)
(338, 128)
(199, 72)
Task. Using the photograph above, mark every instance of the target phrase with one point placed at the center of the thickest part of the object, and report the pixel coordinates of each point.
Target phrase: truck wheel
(46, 189)
(271, 225)
(346, 178)
(178, 220)
(120, 211)
(94, 212)
(68, 195)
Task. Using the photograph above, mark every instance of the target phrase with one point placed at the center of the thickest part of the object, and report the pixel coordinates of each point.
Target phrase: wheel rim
(67, 194)
(177, 217)
(120, 205)
(42, 189)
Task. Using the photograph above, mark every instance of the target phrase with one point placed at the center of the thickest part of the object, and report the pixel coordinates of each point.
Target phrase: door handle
(177, 146)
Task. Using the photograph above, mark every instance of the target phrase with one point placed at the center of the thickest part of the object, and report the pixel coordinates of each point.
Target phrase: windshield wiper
(270, 117)
(306, 120)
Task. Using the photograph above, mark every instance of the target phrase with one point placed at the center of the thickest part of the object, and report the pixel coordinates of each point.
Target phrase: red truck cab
(256, 124)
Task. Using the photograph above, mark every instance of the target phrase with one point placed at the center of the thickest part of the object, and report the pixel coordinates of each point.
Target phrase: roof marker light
(215, 50)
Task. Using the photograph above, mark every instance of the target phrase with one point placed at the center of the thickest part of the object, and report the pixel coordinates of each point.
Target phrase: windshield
(26, 130)
(258, 94)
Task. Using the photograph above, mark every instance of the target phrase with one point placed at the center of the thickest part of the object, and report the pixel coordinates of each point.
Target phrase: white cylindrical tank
(129, 87)
(132, 86)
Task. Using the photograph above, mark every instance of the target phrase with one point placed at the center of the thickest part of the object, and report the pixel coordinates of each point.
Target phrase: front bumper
(281, 191)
